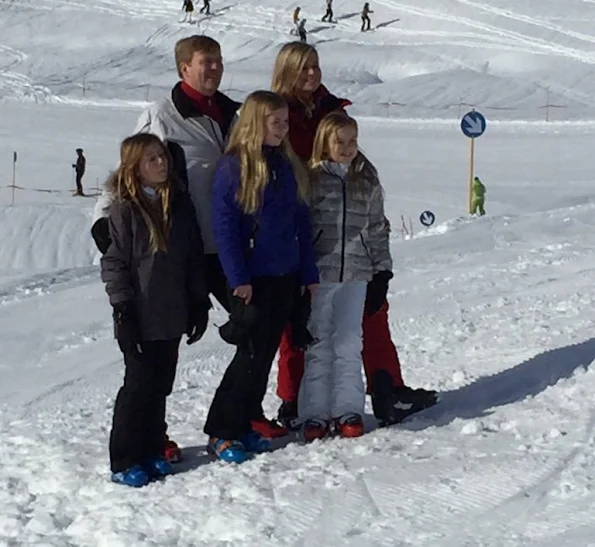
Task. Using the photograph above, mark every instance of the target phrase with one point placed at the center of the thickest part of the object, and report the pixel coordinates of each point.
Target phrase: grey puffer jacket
(351, 234)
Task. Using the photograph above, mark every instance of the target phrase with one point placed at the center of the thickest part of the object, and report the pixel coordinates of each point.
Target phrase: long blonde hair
(126, 184)
(361, 170)
(246, 141)
(289, 65)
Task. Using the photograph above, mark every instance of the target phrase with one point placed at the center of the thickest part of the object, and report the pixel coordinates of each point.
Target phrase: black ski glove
(376, 292)
(198, 319)
(301, 337)
(242, 320)
(126, 328)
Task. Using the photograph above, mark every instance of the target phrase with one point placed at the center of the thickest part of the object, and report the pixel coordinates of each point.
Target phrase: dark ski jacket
(302, 127)
(275, 241)
(80, 165)
(164, 287)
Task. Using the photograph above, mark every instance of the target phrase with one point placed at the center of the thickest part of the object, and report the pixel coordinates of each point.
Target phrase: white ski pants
(332, 384)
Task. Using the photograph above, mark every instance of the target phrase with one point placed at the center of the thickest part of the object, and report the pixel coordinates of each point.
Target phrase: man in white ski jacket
(194, 120)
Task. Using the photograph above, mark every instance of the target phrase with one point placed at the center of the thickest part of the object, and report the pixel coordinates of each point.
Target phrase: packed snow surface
(494, 312)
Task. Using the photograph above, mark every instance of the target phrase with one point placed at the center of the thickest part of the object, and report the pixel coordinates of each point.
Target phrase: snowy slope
(494, 312)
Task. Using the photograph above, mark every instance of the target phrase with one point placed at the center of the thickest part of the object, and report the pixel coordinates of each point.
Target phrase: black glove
(126, 328)
(376, 293)
(301, 337)
(242, 320)
(198, 319)
(100, 234)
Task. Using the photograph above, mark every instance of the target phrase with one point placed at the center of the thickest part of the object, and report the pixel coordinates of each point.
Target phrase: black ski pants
(138, 426)
(216, 286)
(79, 182)
(328, 15)
(239, 397)
(365, 22)
(216, 280)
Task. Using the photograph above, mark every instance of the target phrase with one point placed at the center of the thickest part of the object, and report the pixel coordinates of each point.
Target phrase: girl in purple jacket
(262, 232)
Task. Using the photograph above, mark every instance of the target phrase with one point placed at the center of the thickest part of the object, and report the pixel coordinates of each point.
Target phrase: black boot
(288, 415)
(393, 404)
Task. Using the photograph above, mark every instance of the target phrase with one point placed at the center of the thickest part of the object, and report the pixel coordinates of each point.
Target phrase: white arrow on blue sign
(473, 124)
(427, 218)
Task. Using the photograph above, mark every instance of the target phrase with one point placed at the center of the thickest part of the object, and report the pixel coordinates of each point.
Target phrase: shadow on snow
(527, 379)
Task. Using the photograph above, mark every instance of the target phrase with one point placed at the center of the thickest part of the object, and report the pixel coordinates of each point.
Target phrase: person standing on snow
(478, 197)
(188, 8)
(296, 20)
(262, 229)
(302, 30)
(366, 17)
(154, 275)
(345, 191)
(79, 170)
(206, 8)
(195, 121)
(297, 78)
(329, 11)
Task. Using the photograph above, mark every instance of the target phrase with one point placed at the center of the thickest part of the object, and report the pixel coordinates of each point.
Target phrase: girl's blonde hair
(289, 64)
(361, 169)
(246, 141)
(126, 184)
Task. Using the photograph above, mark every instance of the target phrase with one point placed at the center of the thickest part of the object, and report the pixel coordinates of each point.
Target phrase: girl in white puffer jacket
(352, 245)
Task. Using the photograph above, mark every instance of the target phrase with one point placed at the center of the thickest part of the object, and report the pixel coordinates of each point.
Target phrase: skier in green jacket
(478, 197)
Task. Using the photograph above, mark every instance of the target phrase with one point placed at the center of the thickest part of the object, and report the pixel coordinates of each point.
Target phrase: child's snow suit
(478, 197)
(351, 241)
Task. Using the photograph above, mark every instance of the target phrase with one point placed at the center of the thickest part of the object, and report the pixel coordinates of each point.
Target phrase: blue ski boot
(255, 442)
(226, 450)
(158, 467)
(133, 476)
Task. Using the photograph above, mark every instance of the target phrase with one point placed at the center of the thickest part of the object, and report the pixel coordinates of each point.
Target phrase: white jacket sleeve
(150, 122)
(102, 206)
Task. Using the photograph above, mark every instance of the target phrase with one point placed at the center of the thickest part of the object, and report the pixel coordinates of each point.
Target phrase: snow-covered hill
(496, 312)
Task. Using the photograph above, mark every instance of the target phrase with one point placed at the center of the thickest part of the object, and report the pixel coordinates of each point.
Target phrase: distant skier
(478, 197)
(328, 16)
(296, 21)
(301, 30)
(366, 17)
(206, 8)
(188, 8)
(79, 169)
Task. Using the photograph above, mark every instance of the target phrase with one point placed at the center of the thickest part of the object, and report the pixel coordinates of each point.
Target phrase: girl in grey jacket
(352, 245)
(154, 275)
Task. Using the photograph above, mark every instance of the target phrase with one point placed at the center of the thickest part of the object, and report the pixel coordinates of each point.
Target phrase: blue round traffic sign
(473, 124)
(427, 218)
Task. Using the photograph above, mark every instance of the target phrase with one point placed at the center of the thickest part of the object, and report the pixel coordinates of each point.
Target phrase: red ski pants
(379, 353)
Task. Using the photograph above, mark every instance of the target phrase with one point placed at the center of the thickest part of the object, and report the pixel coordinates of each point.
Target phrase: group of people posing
(271, 208)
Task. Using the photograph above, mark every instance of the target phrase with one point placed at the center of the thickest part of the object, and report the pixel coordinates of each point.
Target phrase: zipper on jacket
(343, 230)
(221, 145)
